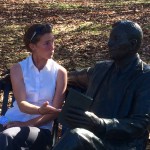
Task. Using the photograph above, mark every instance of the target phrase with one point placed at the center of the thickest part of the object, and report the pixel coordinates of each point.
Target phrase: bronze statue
(120, 113)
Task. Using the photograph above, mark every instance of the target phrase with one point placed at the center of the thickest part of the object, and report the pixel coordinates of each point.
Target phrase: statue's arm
(131, 126)
(80, 78)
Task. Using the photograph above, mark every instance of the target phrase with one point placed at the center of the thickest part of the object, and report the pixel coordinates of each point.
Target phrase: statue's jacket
(125, 123)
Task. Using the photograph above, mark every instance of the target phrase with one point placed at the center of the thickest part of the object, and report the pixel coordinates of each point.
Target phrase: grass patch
(12, 27)
(64, 6)
(127, 2)
(93, 28)
(138, 1)
(85, 28)
(146, 27)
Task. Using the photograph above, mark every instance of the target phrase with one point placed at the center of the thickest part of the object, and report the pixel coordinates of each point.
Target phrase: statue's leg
(79, 139)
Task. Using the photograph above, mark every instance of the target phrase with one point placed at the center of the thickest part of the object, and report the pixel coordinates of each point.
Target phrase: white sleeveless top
(40, 87)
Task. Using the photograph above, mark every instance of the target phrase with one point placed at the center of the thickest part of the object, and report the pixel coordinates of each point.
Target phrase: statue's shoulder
(143, 76)
(146, 68)
(104, 64)
(144, 72)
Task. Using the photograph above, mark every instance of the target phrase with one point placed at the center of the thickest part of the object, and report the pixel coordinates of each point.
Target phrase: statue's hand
(77, 118)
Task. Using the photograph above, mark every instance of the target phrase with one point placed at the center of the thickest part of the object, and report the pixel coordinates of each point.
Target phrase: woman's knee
(14, 137)
(6, 142)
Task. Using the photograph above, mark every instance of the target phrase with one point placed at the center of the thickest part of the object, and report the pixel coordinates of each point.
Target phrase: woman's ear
(32, 46)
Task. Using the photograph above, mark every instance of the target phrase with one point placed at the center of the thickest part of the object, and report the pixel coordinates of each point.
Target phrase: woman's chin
(50, 56)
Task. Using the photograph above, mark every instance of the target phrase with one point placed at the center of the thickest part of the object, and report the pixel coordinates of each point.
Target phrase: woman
(39, 85)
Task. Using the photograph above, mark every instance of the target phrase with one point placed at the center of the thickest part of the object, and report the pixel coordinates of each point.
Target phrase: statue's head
(125, 39)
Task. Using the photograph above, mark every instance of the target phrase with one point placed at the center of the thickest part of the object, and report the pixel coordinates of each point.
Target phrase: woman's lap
(21, 138)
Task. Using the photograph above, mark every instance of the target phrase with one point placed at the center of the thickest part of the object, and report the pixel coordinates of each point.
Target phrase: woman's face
(45, 47)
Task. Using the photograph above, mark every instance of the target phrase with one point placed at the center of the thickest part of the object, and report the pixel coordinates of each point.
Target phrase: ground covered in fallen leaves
(81, 28)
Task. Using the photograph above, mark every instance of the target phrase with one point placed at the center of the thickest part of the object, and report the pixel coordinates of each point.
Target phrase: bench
(6, 100)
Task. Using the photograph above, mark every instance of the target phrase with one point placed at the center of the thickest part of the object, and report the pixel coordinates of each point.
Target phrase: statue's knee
(70, 141)
(88, 140)
(79, 139)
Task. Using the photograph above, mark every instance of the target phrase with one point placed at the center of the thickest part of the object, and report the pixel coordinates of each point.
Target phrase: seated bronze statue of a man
(120, 113)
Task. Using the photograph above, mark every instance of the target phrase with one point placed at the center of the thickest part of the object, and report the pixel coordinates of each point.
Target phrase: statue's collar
(125, 63)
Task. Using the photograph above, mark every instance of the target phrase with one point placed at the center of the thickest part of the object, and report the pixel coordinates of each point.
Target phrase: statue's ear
(133, 44)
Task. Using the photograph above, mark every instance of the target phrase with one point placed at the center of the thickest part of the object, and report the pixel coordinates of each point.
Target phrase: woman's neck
(39, 62)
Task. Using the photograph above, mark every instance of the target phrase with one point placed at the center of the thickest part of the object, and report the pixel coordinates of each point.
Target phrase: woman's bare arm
(20, 92)
(18, 85)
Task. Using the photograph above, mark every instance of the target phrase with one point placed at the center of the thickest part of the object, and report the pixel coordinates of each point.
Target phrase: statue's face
(119, 44)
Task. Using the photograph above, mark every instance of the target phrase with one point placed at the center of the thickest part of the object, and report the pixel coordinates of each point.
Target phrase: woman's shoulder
(26, 60)
(15, 67)
(62, 69)
(16, 71)
(58, 66)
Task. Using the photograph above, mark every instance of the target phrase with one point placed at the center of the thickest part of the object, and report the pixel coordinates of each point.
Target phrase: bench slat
(7, 89)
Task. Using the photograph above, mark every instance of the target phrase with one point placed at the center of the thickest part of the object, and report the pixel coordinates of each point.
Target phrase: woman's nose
(51, 46)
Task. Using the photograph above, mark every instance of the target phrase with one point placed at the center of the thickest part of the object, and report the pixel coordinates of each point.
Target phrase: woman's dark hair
(34, 32)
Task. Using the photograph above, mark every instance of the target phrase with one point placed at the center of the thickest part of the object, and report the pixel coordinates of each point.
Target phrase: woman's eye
(47, 43)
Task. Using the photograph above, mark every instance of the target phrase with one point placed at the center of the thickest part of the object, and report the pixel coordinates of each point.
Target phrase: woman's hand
(47, 109)
(15, 124)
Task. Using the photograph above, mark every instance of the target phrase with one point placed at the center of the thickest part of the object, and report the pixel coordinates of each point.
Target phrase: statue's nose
(110, 43)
